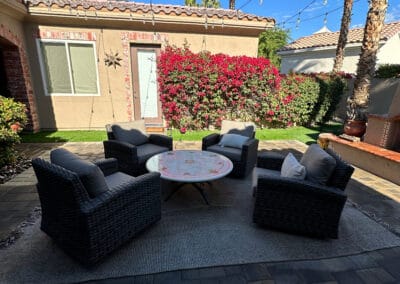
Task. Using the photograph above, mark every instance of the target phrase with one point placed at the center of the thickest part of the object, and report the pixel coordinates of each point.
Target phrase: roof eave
(90, 18)
(322, 48)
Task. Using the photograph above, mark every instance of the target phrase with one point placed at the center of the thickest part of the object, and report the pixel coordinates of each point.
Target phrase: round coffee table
(190, 166)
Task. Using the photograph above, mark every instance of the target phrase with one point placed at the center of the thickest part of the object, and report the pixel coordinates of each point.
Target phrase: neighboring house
(316, 53)
(81, 64)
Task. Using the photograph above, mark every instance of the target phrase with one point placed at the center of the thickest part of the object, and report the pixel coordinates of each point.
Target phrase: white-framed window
(68, 67)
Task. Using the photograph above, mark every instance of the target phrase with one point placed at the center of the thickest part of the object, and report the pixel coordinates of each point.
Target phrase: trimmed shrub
(331, 90)
(388, 71)
(12, 119)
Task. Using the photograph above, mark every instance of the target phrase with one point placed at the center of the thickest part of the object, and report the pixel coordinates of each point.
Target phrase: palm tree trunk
(344, 30)
(358, 102)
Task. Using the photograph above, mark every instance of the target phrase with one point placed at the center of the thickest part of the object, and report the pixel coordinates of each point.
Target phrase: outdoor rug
(192, 235)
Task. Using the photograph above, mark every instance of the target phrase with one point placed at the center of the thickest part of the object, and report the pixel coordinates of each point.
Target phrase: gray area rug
(191, 235)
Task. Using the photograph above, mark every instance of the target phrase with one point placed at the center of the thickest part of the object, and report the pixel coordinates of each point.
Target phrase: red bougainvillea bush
(198, 90)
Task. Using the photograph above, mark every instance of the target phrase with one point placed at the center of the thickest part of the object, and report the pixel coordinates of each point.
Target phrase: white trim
(43, 69)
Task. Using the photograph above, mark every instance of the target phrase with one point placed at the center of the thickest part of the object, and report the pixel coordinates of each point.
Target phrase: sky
(304, 17)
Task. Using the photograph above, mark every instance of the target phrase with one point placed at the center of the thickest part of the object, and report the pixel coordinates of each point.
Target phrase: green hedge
(12, 120)
(388, 71)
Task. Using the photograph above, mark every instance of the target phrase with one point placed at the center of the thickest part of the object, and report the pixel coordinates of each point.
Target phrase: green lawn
(303, 134)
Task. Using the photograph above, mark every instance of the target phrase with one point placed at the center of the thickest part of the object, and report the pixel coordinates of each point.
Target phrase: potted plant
(356, 123)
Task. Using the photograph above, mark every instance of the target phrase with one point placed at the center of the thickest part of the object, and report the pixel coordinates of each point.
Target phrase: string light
(298, 14)
(326, 19)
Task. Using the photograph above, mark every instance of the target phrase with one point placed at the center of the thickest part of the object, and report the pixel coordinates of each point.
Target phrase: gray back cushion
(319, 164)
(130, 135)
(90, 175)
(238, 127)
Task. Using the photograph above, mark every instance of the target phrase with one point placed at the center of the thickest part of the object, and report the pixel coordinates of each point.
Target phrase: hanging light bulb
(260, 2)
(325, 2)
(298, 22)
(326, 19)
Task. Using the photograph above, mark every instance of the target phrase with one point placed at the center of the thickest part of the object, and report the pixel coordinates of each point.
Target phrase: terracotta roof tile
(331, 38)
(156, 8)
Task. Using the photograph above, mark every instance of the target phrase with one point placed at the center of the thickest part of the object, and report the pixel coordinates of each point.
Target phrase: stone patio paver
(377, 196)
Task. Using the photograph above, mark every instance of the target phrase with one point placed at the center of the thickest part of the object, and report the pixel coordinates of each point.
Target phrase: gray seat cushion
(234, 154)
(117, 179)
(133, 136)
(146, 151)
(90, 175)
(319, 164)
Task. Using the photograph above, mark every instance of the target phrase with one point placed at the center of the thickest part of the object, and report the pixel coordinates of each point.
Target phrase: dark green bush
(388, 71)
(12, 120)
(331, 89)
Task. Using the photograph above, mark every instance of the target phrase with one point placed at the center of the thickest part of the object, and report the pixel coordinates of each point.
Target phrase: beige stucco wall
(115, 102)
(232, 45)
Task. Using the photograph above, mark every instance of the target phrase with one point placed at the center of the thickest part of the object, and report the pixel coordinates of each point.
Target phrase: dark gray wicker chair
(90, 227)
(244, 159)
(300, 206)
(132, 149)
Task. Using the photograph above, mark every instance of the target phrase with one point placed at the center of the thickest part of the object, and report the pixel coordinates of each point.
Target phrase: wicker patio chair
(242, 155)
(92, 211)
(300, 206)
(132, 147)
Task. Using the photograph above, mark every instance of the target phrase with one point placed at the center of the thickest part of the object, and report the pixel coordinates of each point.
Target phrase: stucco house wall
(389, 52)
(115, 100)
(316, 53)
(113, 30)
(318, 60)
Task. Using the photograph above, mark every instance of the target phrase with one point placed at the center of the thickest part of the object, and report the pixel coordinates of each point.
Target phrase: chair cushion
(233, 140)
(291, 168)
(146, 151)
(126, 133)
(238, 127)
(319, 164)
(117, 179)
(234, 154)
(90, 175)
(261, 172)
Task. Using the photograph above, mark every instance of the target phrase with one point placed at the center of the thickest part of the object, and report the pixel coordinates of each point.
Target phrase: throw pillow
(319, 164)
(132, 136)
(233, 140)
(90, 174)
(291, 168)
